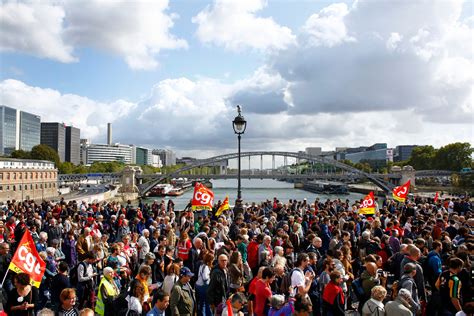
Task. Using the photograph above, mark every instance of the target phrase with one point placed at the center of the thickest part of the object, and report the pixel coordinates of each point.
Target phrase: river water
(255, 191)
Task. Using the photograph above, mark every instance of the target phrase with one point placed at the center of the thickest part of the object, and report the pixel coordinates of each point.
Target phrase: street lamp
(239, 124)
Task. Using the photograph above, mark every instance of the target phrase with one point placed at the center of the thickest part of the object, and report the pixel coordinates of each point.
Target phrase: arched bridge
(146, 187)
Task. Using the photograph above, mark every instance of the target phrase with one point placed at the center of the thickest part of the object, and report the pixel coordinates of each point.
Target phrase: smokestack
(109, 134)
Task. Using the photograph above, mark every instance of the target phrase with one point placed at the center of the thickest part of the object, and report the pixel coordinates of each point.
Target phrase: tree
(80, 169)
(44, 152)
(453, 157)
(20, 154)
(66, 168)
(422, 157)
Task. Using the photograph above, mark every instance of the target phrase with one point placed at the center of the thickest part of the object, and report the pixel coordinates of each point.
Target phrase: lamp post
(239, 124)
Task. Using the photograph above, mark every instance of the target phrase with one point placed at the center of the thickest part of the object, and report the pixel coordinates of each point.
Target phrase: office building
(403, 152)
(18, 130)
(143, 156)
(376, 155)
(167, 157)
(54, 135)
(73, 144)
(313, 151)
(104, 153)
(84, 143)
(25, 179)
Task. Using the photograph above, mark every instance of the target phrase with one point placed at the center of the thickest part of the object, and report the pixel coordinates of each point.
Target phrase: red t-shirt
(262, 293)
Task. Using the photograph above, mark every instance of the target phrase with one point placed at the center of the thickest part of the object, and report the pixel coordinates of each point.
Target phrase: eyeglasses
(71, 298)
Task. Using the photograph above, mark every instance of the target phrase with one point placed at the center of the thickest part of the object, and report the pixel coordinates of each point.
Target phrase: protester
(374, 306)
(23, 298)
(400, 246)
(183, 298)
(68, 300)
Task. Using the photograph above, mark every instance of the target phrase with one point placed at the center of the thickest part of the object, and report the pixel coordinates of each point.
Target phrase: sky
(307, 73)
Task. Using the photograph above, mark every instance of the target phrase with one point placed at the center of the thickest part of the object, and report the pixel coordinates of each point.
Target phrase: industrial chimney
(109, 134)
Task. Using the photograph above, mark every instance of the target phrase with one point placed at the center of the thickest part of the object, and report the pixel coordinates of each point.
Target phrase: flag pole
(4, 278)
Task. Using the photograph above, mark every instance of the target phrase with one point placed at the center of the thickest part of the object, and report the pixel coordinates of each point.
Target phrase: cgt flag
(224, 206)
(203, 198)
(368, 205)
(400, 193)
(26, 260)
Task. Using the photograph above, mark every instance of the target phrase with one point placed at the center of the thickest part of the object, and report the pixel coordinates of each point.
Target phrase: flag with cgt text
(367, 207)
(203, 198)
(26, 260)
(400, 193)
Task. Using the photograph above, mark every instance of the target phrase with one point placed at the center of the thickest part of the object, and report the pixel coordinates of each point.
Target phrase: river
(255, 191)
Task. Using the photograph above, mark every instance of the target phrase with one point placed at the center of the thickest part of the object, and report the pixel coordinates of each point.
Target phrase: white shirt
(297, 279)
(169, 282)
(134, 304)
(204, 275)
(144, 247)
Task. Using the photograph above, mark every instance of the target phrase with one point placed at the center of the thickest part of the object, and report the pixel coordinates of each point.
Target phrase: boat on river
(161, 190)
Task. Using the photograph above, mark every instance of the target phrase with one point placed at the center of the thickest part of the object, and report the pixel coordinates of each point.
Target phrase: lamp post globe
(239, 124)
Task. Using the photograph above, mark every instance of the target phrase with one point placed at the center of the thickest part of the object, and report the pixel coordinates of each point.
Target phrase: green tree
(422, 158)
(20, 154)
(80, 169)
(66, 168)
(44, 152)
(453, 157)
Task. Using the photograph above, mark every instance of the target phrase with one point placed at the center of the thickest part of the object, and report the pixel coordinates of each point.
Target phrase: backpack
(120, 303)
(74, 275)
(358, 289)
(286, 282)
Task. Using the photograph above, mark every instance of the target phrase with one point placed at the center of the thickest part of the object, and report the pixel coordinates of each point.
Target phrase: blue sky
(307, 73)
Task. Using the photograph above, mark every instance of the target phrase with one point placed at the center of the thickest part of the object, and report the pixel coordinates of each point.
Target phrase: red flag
(368, 204)
(203, 198)
(400, 193)
(224, 207)
(436, 197)
(26, 260)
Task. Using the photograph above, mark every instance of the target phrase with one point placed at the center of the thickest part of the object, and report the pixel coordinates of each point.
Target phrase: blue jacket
(434, 262)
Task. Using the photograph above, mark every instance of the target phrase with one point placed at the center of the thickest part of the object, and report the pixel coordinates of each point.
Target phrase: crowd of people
(275, 258)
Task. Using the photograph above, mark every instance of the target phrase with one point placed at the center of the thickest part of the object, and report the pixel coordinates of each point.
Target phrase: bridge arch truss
(146, 187)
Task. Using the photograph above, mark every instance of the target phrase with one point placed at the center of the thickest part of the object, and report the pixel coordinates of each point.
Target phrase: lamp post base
(238, 209)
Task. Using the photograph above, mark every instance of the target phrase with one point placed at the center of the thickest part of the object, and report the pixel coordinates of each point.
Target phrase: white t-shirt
(144, 247)
(297, 279)
(204, 275)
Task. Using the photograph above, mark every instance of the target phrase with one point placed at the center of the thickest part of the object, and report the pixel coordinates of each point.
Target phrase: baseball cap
(185, 272)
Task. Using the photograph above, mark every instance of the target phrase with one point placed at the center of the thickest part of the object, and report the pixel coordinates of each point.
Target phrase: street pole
(239, 188)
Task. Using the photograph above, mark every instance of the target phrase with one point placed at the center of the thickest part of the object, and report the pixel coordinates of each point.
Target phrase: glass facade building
(30, 130)
(54, 135)
(8, 130)
(73, 144)
(18, 130)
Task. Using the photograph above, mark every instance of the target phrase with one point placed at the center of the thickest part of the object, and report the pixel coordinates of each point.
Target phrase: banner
(368, 205)
(224, 206)
(400, 193)
(203, 198)
(26, 260)
(436, 197)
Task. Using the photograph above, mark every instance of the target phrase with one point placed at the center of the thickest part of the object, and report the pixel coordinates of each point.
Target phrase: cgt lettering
(29, 261)
(203, 198)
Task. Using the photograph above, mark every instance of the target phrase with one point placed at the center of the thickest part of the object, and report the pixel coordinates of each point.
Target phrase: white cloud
(412, 55)
(327, 27)
(393, 41)
(137, 31)
(34, 28)
(235, 25)
(53, 106)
